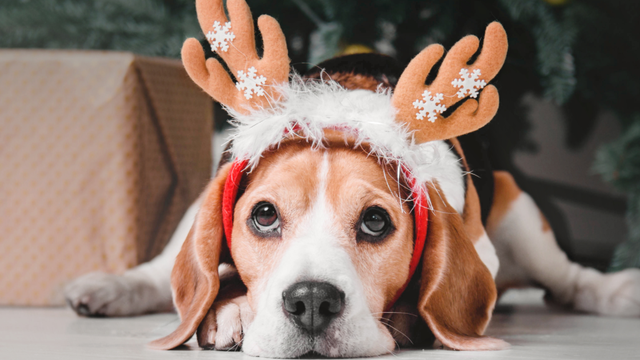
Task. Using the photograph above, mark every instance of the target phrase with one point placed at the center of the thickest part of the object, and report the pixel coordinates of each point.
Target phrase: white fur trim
(367, 116)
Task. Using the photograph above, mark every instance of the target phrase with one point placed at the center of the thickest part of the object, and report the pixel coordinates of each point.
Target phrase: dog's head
(323, 247)
(323, 211)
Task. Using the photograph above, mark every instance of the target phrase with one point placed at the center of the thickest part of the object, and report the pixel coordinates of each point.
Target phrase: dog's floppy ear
(194, 279)
(457, 292)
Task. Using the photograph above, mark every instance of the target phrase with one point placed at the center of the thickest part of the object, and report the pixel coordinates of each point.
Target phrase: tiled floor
(534, 331)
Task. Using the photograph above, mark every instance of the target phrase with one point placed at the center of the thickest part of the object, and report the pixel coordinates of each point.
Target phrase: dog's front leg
(223, 327)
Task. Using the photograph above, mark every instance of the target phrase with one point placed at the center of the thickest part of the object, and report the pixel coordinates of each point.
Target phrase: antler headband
(266, 106)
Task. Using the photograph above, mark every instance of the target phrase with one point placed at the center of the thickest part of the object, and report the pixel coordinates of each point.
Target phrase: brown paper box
(100, 155)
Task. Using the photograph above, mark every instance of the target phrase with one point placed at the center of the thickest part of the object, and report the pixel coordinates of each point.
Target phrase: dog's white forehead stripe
(323, 179)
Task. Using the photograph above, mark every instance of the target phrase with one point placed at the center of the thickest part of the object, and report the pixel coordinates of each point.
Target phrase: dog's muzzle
(311, 306)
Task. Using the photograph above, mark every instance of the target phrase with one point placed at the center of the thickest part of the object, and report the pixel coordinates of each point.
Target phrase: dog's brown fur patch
(353, 81)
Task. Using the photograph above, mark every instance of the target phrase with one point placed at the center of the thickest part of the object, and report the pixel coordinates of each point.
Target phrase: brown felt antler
(421, 106)
(234, 41)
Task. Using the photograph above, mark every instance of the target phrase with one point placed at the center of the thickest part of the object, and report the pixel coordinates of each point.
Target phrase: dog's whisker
(394, 312)
(400, 332)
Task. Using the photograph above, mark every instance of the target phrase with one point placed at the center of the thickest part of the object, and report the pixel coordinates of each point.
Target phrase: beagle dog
(344, 219)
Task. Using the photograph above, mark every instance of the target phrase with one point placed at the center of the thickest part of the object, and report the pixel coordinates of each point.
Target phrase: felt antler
(234, 41)
(421, 106)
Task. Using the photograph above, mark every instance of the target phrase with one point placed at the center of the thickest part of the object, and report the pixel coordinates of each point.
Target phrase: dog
(340, 221)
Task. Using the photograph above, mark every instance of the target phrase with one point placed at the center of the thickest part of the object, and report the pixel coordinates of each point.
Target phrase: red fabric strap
(420, 211)
(231, 186)
(421, 223)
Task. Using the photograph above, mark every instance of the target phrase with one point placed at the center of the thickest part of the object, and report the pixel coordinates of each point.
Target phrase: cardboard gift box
(100, 155)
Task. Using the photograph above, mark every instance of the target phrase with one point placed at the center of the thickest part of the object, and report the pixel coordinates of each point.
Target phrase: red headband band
(421, 215)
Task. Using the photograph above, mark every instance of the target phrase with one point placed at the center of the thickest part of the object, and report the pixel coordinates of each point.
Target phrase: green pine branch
(148, 27)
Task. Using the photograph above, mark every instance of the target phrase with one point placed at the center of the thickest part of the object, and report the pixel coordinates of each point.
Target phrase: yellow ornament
(557, 2)
(356, 49)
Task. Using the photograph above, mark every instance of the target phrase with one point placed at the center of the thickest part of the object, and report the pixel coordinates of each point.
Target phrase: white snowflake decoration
(429, 106)
(469, 83)
(221, 36)
(250, 83)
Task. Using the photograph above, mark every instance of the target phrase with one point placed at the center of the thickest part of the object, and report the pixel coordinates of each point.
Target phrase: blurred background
(568, 126)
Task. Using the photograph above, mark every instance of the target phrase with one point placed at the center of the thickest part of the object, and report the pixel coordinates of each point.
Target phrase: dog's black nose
(312, 305)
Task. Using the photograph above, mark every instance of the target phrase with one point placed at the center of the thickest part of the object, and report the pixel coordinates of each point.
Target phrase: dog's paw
(223, 327)
(101, 294)
(615, 294)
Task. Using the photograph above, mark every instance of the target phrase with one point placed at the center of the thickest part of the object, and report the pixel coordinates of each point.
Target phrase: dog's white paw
(615, 294)
(94, 294)
(101, 294)
(223, 327)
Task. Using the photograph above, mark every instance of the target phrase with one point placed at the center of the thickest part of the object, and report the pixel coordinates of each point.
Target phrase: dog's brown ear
(457, 292)
(194, 279)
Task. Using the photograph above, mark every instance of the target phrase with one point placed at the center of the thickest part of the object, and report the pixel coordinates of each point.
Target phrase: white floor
(534, 331)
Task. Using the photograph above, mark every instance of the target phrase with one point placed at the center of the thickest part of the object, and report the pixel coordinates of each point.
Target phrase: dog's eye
(265, 217)
(375, 224)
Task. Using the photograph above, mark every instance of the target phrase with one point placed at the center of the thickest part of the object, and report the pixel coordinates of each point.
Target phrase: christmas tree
(582, 54)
